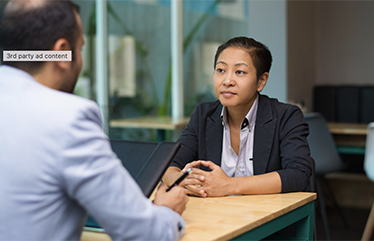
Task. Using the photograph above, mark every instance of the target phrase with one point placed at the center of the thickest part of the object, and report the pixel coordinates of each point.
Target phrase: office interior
(312, 42)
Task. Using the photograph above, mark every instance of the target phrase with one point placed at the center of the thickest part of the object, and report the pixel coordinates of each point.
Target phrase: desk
(151, 122)
(247, 217)
(160, 123)
(350, 138)
(94, 236)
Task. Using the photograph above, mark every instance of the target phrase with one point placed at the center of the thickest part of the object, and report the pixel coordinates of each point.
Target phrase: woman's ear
(62, 45)
(262, 81)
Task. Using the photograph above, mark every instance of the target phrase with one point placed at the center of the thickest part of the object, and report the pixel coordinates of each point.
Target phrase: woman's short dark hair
(38, 28)
(260, 54)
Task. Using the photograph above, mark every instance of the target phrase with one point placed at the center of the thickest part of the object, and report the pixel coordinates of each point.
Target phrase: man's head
(44, 25)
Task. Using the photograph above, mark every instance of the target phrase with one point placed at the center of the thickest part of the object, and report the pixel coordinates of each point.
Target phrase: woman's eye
(240, 72)
(220, 71)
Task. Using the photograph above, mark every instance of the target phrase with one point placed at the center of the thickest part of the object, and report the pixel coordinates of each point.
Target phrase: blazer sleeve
(190, 142)
(294, 151)
(94, 177)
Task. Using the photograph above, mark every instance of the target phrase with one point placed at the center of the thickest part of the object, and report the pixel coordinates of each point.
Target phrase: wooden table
(247, 217)
(151, 122)
(94, 236)
(350, 138)
(159, 123)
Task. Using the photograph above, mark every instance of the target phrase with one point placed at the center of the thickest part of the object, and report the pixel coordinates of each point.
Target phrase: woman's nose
(228, 81)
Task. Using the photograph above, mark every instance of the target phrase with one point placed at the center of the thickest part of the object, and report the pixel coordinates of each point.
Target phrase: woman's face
(235, 80)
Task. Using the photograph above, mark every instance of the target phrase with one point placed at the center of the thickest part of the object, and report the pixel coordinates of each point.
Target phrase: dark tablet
(145, 161)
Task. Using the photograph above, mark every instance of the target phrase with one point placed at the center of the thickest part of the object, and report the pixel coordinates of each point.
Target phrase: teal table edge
(357, 150)
(304, 216)
(99, 230)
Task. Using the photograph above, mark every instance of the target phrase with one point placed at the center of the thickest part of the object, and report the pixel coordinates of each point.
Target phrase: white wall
(268, 25)
(345, 44)
(301, 38)
(329, 43)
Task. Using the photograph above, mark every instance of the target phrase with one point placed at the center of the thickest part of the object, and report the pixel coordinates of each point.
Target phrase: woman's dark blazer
(280, 141)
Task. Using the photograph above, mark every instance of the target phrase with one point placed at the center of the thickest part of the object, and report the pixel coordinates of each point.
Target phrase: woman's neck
(236, 115)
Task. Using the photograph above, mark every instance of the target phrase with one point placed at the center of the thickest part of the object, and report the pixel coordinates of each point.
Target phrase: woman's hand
(215, 183)
(193, 182)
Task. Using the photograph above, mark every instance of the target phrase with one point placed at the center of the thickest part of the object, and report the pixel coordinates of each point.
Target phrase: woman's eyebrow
(238, 64)
(221, 62)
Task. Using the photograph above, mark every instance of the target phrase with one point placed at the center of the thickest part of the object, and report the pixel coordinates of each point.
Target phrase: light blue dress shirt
(56, 165)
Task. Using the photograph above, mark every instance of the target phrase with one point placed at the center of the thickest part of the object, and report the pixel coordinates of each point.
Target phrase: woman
(245, 142)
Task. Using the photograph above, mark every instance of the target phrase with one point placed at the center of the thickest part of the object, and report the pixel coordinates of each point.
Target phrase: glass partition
(139, 59)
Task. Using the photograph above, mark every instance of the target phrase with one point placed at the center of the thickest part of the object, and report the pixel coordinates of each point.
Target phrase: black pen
(180, 179)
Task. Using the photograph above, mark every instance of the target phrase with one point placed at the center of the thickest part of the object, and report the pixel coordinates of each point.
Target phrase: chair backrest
(369, 152)
(322, 146)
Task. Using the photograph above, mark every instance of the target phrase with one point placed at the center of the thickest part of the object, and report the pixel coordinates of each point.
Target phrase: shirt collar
(15, 72)
(249, 120)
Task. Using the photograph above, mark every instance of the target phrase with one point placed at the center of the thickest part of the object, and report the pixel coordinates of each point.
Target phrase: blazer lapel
(263, 136)
(214, 136)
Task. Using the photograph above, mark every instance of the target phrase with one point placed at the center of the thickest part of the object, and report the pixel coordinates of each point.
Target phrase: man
(56, 164)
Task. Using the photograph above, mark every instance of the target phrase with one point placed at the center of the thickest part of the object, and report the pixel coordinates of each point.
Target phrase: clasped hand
(203, 183)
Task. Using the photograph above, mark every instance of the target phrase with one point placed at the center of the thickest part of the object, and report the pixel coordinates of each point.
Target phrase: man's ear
(262, 81)
(61, 45)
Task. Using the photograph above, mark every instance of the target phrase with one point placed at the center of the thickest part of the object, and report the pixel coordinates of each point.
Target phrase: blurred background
(323, 58)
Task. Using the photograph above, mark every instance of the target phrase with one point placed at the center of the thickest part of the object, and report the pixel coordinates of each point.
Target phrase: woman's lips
(228, 93)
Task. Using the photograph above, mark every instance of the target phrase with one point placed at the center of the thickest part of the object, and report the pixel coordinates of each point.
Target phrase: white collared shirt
(242, 164)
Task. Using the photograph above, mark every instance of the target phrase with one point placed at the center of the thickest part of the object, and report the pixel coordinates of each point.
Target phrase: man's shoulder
(61, 107)
(73, 101)
(72, 107)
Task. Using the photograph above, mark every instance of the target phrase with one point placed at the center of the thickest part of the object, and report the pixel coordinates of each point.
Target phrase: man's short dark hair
(260, 54)
(37, 28)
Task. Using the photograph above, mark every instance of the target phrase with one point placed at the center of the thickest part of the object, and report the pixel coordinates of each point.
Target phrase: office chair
(369, 170)
(327, 160)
